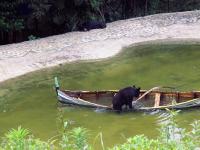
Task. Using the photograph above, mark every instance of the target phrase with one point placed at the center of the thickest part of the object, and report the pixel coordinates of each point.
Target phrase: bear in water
(125, 97)
(89, 25)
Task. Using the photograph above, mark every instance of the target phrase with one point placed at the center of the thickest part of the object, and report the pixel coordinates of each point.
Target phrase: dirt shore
(21, 58)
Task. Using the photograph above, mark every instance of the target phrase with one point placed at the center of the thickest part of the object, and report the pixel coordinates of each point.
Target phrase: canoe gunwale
(176, 106)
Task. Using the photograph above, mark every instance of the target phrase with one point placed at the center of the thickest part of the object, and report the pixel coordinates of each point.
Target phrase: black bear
(125, 97)
(86, 26)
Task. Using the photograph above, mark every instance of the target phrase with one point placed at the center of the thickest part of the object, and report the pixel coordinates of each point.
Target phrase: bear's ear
(133, 86)
(138, 88)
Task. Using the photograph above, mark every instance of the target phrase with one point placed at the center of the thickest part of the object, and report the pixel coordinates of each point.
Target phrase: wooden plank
(157, 99)
(177, 97)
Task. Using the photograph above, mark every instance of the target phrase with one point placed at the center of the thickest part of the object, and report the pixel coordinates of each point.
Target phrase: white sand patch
(21, 58)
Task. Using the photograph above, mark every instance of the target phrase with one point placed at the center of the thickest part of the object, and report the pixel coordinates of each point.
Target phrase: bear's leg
(130, 105)
(117, 107)
(126, 106)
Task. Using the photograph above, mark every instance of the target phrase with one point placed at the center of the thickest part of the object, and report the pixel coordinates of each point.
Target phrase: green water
(30, 100)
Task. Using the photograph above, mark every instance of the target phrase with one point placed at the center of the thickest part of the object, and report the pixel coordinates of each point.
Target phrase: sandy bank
(18, 59)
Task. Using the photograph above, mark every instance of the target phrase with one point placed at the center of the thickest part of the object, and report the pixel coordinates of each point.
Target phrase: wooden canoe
(156, 99)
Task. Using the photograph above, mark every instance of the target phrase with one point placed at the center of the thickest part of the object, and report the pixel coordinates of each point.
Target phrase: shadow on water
(30, 100)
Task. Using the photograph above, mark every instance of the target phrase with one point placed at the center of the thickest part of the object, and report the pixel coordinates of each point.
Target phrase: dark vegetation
(20, 19)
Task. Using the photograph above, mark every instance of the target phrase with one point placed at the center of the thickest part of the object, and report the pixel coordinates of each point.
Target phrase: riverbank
(21, 58)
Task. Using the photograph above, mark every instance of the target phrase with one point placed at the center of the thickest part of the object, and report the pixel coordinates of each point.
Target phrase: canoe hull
(66, 98)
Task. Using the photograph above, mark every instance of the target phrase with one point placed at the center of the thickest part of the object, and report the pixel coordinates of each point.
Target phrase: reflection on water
(30, 100)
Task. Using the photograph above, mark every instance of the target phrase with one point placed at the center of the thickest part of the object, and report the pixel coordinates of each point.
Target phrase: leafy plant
(138, 142)
(79, 138)
(76, 139)
(17, 134)
(19, 139)
(171, 137)
(32, 37)
(96, 6)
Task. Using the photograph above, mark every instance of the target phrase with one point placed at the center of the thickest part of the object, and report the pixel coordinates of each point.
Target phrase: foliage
(153, 6)
(7, 25)
(79, 138)
(76, 139)
(172, 137)
(32, 37)
(9, 19)
(19, 139)
(96, 6)
(44, 18)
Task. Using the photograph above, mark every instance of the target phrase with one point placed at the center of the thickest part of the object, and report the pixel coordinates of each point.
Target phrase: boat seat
(157, 99)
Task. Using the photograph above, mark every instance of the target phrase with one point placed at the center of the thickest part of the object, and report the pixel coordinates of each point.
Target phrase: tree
(10, 21)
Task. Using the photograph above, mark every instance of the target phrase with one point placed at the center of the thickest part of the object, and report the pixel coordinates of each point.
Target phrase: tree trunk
(146, 7)
(1, 37)
(20, 37)
(10, 36)
(134, 7)
(168, 6)
(5, 37)
(123, 8)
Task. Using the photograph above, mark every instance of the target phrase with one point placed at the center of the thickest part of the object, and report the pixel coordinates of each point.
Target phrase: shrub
(20, 139)
(171, 137)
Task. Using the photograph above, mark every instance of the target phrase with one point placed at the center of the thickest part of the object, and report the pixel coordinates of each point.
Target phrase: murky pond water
(30, 100)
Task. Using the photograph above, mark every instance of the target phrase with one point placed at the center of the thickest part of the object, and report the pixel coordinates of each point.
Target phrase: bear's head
(137, 91)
